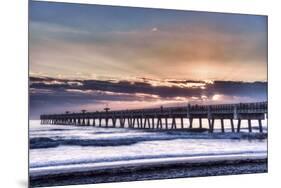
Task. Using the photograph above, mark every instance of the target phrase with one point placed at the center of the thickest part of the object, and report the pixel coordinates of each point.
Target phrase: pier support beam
(159, 123)
(138, 123)
(232, 125)
(250, 125)
(100, 122)
(174, 124)
(166, 123)
(122, 122)
(133, 123)
(129, 122)
(190, 122)
(148, 123)
(222, 125)
(239, 125)
(141, 122)
(260, 126)
(113, 122)
(144, 124)
(211, 125)
(106, 122)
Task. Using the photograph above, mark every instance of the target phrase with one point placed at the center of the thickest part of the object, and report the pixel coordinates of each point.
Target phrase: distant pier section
(167, 118)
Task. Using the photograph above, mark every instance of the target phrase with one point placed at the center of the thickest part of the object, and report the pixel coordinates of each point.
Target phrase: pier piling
(222, 126)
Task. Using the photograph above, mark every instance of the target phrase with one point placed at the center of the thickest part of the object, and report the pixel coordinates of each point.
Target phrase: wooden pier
(161, 118)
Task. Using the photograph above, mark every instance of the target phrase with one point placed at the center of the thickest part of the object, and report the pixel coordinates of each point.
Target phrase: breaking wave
(45, 142)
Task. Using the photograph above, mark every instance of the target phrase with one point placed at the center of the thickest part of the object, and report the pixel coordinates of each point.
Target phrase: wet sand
(180, 169)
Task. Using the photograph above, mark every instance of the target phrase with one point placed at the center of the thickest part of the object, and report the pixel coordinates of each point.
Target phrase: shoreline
(177, 168)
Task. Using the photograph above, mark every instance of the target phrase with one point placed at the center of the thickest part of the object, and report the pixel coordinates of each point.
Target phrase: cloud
(154, 29)
(161, 88)
(51, 93)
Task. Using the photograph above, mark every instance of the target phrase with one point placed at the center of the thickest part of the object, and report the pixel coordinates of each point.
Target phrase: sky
(92, 56)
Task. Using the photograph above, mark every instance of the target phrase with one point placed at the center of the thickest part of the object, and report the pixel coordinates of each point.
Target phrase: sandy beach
(173, 168)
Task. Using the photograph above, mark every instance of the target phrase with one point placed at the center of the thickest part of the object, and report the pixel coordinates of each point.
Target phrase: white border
(13, 161)
(249, 7)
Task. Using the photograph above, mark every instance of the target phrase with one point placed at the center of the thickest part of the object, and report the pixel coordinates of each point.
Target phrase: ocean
(97, 153)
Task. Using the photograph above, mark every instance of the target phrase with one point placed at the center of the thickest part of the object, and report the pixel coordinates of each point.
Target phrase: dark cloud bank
(51, 95)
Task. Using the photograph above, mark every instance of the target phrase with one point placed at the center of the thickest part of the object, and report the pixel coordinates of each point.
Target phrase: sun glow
(216, 97)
